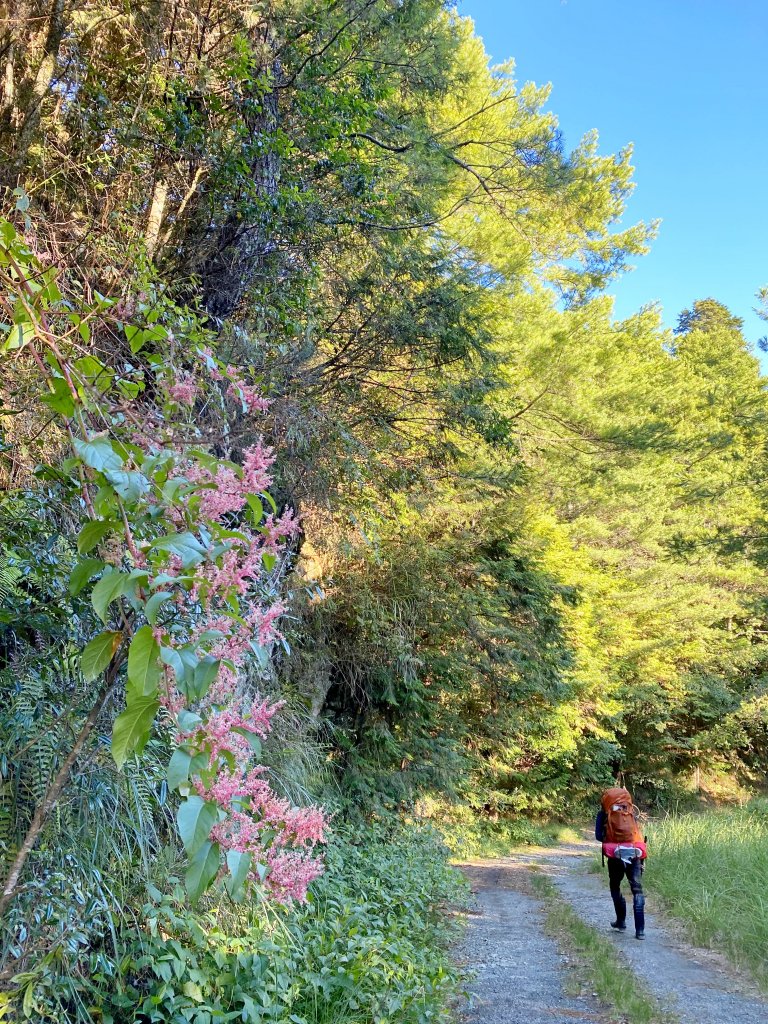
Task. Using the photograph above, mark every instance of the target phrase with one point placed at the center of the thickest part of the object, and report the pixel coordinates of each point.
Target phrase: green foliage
(371, 945)
(533, 538)
(708, 869)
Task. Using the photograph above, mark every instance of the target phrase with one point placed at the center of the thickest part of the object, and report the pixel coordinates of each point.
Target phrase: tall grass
(711, 870)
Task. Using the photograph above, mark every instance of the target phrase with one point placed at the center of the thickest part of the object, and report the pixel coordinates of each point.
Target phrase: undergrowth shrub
(370, 946)
(482, 837)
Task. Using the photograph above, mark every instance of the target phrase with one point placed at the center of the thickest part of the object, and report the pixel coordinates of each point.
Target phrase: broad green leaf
(59, 398)
(257, 508)
(18, 336)
(131, 729)
(105, 501)
(203, 868)
(99, 454)
(136, 337)
(185, 545)
(130, 486)
(143, 662)
(204, 674)
(152, 607)
(98, 654)
(178, 768)
(107, 590)
(82, 573)
(94, 371)
(269, 561)
(189, 721)
(239, 864)
(183, 661)
(195, 818)
(93, 532)
(193, 991)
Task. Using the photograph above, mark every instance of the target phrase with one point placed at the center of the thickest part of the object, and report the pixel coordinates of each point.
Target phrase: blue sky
(686, 81)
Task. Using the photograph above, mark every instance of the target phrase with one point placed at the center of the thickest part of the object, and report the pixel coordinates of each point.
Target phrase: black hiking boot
(620, 906)
(638, 908)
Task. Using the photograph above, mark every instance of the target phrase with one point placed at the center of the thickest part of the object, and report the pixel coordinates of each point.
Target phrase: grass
(598, 963)
(710, 870)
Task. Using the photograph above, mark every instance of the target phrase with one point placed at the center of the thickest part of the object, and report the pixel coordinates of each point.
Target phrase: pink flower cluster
(185, 390)
(277, 836)
(223, 731)
(238, 388)
(217, 609)
(225, 490)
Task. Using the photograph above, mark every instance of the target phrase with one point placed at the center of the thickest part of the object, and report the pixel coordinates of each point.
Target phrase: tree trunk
(34, 94)
(241, 247)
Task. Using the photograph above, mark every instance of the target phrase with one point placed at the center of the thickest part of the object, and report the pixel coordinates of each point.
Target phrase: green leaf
(107, 590)
(143, 667)
(239, 864)
(95, 372)
(269, 561)
(178, 768)
(185, 545)
(183, 661)
(196, 817)
(98, 453)
(256, 506)
(193, 991)
(189, 721)
(130, 486)
(253, 740)
(93, 532)
(136, 337)
(59, 398)
(82, 573)
(131, 729)
(98, 654)
(202, 870)
(152, 607)
(18, 336)
(205, 672)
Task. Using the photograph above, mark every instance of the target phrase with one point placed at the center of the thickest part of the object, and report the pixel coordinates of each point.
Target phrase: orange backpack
(620, 823)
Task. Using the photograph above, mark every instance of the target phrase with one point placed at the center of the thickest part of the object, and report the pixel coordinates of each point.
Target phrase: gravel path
(520, 973)
(518, 969)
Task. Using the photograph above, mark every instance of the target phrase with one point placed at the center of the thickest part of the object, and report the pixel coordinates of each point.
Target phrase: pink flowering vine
(179, 554)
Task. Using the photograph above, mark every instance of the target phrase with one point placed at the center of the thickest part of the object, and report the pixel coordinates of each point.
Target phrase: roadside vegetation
(370, 945)
(330, 483)
(710, 870)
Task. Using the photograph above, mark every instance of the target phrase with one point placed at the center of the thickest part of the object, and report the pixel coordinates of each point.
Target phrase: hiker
(617, 829)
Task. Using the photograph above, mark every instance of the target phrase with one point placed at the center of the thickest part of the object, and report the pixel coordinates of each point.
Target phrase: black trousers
(617, 870)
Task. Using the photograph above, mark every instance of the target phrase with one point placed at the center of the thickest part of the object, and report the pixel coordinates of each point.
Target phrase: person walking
(623, 845)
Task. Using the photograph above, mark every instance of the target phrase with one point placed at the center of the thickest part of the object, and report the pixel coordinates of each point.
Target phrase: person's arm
(600, 825)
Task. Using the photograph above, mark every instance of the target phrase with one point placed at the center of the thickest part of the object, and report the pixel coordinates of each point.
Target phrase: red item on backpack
(620, 817)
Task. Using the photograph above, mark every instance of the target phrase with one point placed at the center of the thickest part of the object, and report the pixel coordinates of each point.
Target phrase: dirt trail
(520, 974)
